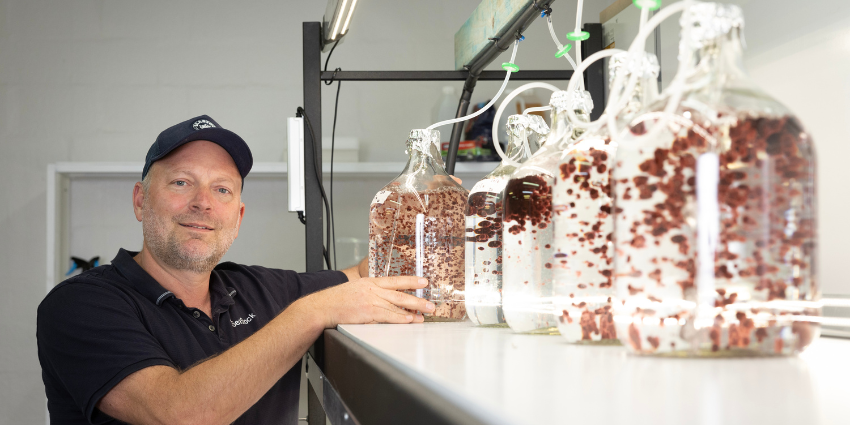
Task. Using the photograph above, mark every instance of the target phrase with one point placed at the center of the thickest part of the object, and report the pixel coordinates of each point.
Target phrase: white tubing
(577, 76)
(492, 101)
(502, 107)
(537, 109)
(638, 45)
(558, 42)
(578, 28)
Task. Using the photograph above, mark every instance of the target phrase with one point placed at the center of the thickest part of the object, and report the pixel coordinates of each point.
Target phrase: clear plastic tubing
(558, 43)
(578, 29)
(492, 101)
(504, 105)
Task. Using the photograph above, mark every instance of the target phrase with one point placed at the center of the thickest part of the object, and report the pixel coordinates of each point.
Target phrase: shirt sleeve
(90, 337)
(316, 281)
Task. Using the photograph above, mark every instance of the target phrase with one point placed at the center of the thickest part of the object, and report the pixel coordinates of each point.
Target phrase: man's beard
(165, 246)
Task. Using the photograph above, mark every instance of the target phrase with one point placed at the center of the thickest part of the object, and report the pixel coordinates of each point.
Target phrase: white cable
(502, 107)
(492, 101)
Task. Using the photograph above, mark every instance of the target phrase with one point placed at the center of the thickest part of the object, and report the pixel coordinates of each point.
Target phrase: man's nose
(202, 201)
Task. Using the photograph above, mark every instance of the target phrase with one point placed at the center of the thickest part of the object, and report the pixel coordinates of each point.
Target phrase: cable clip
(507, 66)
(647, 4)
(578, 35)
(563, 51)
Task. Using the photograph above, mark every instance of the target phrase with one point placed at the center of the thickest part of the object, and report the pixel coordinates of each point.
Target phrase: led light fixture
(336, 21)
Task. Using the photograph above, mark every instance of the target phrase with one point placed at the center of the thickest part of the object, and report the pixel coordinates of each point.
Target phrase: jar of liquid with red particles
(484, 223)
(714, 207)
(527, 225)
(416, 227)
(583, 269)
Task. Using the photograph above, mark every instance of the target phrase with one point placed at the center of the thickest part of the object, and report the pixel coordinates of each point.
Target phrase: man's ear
(239, 219)
(138, 200)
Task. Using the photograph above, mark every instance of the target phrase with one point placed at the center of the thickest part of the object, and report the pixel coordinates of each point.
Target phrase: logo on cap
(202, 124)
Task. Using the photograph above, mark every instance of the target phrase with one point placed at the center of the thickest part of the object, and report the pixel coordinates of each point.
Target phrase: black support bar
(532, 75)
(314, 227)
(594, 78)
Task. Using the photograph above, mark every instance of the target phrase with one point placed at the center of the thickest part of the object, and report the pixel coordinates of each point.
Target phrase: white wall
(96, 80)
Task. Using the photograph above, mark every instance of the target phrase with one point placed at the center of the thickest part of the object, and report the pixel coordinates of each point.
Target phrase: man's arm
(358, 271)
(163, 395)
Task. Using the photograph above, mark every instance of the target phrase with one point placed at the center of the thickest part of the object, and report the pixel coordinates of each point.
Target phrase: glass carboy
(527, 231)
(484, 223)
(416, 227)
(583, 269)
(715, 231)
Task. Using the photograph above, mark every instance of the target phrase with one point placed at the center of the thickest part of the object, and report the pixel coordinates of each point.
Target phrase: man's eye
(180, 183)
(223, 190)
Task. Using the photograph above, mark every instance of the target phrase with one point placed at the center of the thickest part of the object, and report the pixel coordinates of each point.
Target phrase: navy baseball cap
(200, 128)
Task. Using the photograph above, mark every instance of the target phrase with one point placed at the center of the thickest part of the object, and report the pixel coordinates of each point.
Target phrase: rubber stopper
(564, 51)
(507, 66)
(647, 4)
(578, 35)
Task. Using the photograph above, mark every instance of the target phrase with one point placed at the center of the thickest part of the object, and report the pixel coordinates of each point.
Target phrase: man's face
(192, 209)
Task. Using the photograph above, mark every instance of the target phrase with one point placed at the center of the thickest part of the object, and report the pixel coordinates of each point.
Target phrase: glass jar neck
(516, 150)
(718, 62)
(645, 91)
(424, 162)
(561, 128)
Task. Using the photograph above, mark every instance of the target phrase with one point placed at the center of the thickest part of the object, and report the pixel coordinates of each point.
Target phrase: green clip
(507, 66)
(578, 35)
(647, 4)
(564, 51)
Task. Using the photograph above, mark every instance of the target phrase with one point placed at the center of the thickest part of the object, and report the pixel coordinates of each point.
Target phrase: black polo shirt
(97, 328)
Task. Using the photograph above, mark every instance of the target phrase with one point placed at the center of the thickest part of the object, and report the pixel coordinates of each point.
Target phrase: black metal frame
(313, 77)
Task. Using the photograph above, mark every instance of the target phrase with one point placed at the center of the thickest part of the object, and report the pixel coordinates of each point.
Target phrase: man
(167, 335)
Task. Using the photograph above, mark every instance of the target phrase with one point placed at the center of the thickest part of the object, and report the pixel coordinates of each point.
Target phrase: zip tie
(578, 35)
(564, 51)
(507, 66)
(647, 4)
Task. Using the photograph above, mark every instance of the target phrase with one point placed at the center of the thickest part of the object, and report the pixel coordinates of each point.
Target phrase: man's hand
(371, 300)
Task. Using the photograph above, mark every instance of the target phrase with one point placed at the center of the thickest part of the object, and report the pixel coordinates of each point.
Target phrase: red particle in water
(638, 242)
(761, 334)
(634, 337)
(588, 325)
(654, 341)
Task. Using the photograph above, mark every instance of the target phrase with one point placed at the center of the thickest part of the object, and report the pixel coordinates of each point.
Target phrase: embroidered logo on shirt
(242, 321)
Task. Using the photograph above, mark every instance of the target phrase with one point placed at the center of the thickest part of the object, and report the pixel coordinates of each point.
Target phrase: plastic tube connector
(578, 35)
(511, 67)
(564, 51)
(647, 4)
